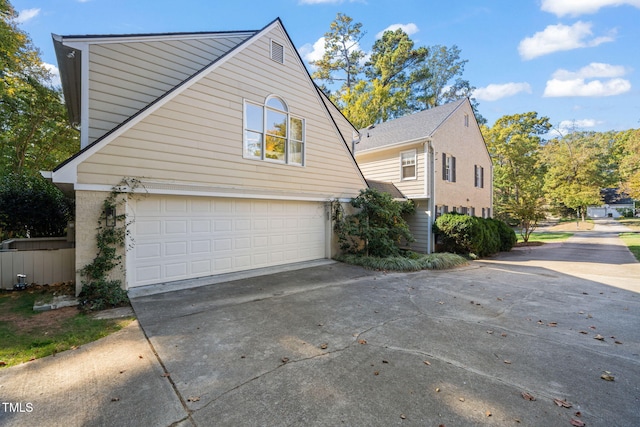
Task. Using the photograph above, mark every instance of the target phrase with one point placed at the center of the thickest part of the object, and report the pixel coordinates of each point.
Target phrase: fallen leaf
(578, 414)
(324, 346)
(490, 332)
(562, 403)
(503, 334)
(618, 342)
(499, 299)
(320, 324)
(437, 389)
(553, 324)
(576, 423)
(140, 356)
(592, 327)
(193, 399)
(440, 302)
(488, 413)
(607, 376)
(584, 332)
(123, 371)
(3, 363)
(115, 399)
(581, 312)
(508, 362)
(527, 396)
(403, 416)
(166, 374)
(362, 341)
(284, 359)
(599, 337)
(426, 362)
(461, 399)
(376, 373)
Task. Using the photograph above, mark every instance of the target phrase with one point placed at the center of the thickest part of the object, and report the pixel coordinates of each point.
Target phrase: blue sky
(574, 61)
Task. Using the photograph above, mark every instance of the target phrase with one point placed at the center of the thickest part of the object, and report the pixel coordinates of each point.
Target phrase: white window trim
(414, 153)
(289, 116)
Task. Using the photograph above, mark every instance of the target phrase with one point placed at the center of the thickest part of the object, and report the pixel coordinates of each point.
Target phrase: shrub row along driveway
(339, 345)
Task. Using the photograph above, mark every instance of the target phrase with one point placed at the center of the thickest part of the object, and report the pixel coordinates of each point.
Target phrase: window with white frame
(448, 168)
(272, 134)
(408, 161)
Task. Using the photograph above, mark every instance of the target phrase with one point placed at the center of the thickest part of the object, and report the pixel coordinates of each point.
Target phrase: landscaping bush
(377, 228)
(464, 234)
(408, 262)
(102, 294)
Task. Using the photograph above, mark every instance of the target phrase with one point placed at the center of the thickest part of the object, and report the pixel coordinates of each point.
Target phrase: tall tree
(386, 93)
(342, 56)
(514, 143)
(34, 133)
(627, 148)
(578, 167)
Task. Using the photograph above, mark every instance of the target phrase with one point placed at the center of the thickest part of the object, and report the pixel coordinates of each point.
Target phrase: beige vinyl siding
(349, 133)
(419, 225)
(125, 77)
(385, 166)
(468, 147)
(197, 137)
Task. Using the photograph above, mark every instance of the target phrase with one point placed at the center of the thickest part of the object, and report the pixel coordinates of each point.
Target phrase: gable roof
(66, 171)
(413, 127)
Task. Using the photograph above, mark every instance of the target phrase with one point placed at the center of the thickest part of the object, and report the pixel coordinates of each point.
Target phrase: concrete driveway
(494, 343)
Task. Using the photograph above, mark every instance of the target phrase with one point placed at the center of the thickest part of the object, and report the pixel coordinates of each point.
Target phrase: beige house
(437, 158)
(237, 151)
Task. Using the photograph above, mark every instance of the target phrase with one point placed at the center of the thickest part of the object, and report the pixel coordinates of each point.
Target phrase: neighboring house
(615, 204)
(238, 152)
(437, 158)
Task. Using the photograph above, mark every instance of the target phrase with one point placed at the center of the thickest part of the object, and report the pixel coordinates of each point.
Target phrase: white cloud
(560, 37)
(493, 92)
(27, 15)
(575, 83)
(409, 28)
(591, 71)
(55, 74)
(567, 126)
(580, 87)
(580, 7)
(312, 52)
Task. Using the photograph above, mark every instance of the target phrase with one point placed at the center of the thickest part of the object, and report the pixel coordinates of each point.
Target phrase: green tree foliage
(34, 134)
(579, 165)
(465, 234)
(32, 207)
(342, 57)
(378, 227)
(398, 79)
(627, 150)
(514, 143)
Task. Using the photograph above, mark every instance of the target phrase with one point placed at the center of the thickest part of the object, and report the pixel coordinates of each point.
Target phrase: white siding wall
(125, 77)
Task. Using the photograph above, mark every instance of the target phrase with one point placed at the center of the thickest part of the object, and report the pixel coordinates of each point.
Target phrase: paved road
(338, 345)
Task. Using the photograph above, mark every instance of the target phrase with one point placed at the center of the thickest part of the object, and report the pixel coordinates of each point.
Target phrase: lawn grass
(26, 335)
(633, 223)
(632, 240)
(546, 236)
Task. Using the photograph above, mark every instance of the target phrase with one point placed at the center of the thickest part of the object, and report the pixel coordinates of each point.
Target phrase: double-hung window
(272, 134)
(408, 165)
(479, 176)
(448, 168)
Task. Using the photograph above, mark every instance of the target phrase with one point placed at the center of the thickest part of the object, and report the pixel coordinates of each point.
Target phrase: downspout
(432, 194)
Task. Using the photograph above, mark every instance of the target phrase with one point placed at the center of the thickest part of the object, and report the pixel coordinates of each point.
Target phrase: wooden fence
(41, 266)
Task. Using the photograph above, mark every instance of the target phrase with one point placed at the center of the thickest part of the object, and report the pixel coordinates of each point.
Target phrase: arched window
(271, 133)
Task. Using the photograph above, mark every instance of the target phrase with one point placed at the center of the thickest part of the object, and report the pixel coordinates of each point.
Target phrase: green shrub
(464, 234)
(101, 294)
(377, 229)
(411, 261)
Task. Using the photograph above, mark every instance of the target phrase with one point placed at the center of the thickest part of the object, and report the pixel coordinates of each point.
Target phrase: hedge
(464, 234)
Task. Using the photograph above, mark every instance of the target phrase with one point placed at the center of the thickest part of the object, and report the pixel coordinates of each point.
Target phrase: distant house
(238, 151)
(614, 204)
(437, 158)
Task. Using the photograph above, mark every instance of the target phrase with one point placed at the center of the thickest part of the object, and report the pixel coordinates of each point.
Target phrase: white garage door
(178, 238)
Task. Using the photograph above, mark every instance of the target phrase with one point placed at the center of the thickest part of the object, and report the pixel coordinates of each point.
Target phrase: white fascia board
(153, 37)
(68, 173)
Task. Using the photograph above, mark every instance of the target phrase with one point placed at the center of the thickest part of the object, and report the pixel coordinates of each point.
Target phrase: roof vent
(277, 52)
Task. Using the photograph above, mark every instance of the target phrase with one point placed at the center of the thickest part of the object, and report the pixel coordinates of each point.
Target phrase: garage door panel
(186, 237)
